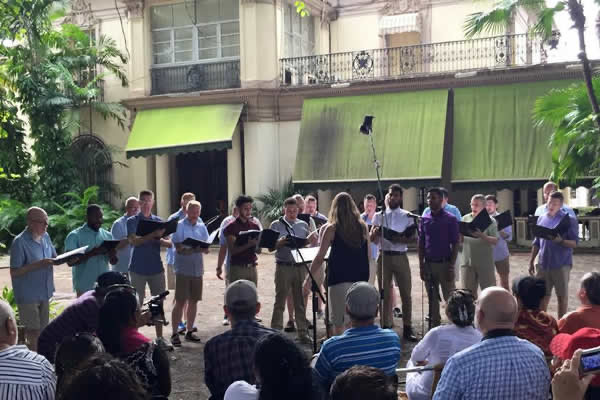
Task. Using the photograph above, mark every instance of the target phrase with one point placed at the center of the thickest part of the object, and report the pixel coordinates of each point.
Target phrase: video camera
(156, 309)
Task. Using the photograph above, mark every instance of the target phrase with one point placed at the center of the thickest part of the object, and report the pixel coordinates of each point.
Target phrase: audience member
(228, 356)
(72, 353)
(441, 343)
(24, 375)
(104, 377)
(32, 274)
(282, 371)
(533, 324)
(563, 346)
(363, 344)
(567, 383)
(588, 314)
(501, 366)
(80, 316)
(362, 382)
(118, 323)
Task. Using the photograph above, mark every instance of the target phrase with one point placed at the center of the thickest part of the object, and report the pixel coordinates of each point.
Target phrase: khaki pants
(372, 271)
(555, 278)
(237, 272)
(289, 279)
(482, 275)
(398, 268)
(170, 277)
(439, 276)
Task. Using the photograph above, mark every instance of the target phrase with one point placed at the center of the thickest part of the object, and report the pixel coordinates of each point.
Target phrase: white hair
(6, 313)
(132, 198)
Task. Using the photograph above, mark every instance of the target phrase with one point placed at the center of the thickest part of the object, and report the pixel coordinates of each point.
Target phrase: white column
(566, 194)
(139, 72)
(325, 199)
(506, 200)
(163, 186)
(261, 145)
(540, 197)
(410, 199)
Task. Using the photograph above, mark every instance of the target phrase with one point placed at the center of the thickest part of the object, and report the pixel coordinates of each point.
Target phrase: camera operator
(80, 316)
(118, 322)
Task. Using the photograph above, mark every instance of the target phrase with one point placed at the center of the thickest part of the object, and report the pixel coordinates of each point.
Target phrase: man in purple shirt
(556, 255)
(438, 248)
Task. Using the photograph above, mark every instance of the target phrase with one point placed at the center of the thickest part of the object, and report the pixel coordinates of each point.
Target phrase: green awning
(495, 138)
(408, 131)
(183, 130)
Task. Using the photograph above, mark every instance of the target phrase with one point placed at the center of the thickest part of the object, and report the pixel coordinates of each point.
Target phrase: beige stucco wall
(448, 18)
(356, 32)
(258, 44)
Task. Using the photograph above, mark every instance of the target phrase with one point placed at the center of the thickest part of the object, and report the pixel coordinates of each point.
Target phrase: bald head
(132, 206)
(8, 325)
(37, 221)
(549, 187)
(36, 212)
(497, 309)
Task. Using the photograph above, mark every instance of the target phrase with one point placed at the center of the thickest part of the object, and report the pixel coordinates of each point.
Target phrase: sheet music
(309, 254)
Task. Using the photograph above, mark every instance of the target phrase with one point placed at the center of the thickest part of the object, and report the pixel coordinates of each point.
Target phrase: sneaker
(408, 334)
(175, 341)
(190, 337)
(194, 329)
(164, 344)
(290, 327)
(181, 328)
(225, 322)
(397, 312)
(304, 338)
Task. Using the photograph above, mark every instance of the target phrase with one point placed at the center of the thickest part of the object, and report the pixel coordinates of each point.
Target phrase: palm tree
(503, 14)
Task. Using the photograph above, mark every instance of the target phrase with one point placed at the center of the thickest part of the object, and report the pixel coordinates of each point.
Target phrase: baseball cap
(362, 300)
(241, 294)
(111, 278)
(564, 345)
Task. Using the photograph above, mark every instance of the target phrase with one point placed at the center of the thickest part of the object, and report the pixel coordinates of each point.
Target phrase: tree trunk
(578, 18)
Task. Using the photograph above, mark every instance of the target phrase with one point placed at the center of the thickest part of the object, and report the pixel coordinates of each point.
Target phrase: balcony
(195, 77)
(425, 59)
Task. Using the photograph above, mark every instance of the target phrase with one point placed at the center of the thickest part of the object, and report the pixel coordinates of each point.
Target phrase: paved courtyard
(187, 364)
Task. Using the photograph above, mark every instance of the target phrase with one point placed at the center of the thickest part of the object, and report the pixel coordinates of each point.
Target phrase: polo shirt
(398, 220)
(543, 210)
(477, 252)
(170, 253)
(374, 246)
(25, 375)
(80, 316)
(437, 232)
(119, 232)
(36, 286)
(249, 255)
(369, 346)
(583, 317)
(145, 259)
(501, 248)
(86, 274)
(449, 208)
(299, 229)
(192, 264)
(554, 255)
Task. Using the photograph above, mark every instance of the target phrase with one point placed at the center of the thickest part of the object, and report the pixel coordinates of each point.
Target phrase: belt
(285, 263)
(393, 253)
(244, 265)
(437, 260)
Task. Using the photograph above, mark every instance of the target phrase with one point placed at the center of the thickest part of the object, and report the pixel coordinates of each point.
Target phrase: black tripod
(316, 292)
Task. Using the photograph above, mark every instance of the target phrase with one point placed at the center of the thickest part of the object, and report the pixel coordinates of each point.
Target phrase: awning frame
(400, 23)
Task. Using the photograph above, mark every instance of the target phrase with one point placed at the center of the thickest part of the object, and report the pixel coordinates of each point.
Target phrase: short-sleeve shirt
(223, 239)
(191, 264)
(80, 316)
(398, 220)
(145, 259)
(36, 286)
(248, 256)
(119, 232)
(437, 232)
(477, 252)
(374, 249)
(86, 274)
(25, 375)
(501, 248)
(543, 210)
(170, 253)
(299, 229)
(554, 255)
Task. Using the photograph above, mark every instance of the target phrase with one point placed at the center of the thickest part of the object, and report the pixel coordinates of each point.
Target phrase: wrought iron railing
(196, 77)
(434, 58)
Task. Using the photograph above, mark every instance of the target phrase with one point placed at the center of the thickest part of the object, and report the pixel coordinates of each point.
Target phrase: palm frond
(492, 22)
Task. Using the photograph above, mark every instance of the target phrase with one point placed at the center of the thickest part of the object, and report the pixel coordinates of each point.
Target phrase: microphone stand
(316, 292)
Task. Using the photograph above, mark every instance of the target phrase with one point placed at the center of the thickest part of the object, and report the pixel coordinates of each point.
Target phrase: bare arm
(491, 240)
(165, 243)
(534, 252)
(565, 242)
(325, 243)
(27, 268)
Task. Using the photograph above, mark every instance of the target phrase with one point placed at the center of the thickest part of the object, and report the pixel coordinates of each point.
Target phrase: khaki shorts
(34, 316)
(237, 272)
(557, 278)
(502, 266)
(337, 303)
(156, 282)
(170, 277)
(372, 271)
(188, 288)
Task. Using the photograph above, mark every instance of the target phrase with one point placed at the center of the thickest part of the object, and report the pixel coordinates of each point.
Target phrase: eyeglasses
(40, 221)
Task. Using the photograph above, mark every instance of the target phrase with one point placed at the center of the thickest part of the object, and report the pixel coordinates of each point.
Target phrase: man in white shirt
(550, 187)
(393, 259)
(24, 374)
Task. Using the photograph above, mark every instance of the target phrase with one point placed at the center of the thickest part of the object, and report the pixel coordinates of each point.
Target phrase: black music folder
(391, 235)
(306, 218)
(551, 233)
(110, 244)
(194, 243)
(267, 238)
(482, 221)
(147, 226)
(504, 220)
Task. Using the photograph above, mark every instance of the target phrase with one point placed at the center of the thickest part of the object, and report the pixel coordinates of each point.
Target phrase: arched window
(94, 164)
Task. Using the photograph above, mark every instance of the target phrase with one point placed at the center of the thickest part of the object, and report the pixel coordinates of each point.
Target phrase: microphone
(415, 216)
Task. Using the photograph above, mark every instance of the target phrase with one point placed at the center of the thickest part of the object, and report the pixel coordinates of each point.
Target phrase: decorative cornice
(81, 14)
(285, 103)
(135, 8)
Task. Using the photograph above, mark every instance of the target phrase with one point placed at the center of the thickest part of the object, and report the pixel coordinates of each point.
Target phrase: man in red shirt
(588, 314)
(243, 257)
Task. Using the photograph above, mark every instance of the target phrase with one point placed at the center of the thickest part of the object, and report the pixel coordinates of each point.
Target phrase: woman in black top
(346, 234)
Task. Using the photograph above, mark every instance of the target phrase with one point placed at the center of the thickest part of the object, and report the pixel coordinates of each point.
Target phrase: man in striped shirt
(363, 344)
(24, 374)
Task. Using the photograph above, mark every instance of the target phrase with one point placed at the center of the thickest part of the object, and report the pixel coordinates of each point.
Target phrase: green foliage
(575, 142)
(301, 8)
(8, 295)
(272, 202)
(12, 219)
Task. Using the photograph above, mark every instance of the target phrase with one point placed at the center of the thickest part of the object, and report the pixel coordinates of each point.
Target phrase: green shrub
(272, 202)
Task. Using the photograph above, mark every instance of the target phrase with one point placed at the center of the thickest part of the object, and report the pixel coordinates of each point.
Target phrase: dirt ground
(187, 363)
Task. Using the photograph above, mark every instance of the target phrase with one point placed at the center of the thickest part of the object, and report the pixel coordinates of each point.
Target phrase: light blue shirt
(145, 259)
(501, 248)
(119, 232)
(448, 208)
(191, 264)
(36, 286)
(543, 210)
(170, 253)
(86, 274)
(374, 246)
